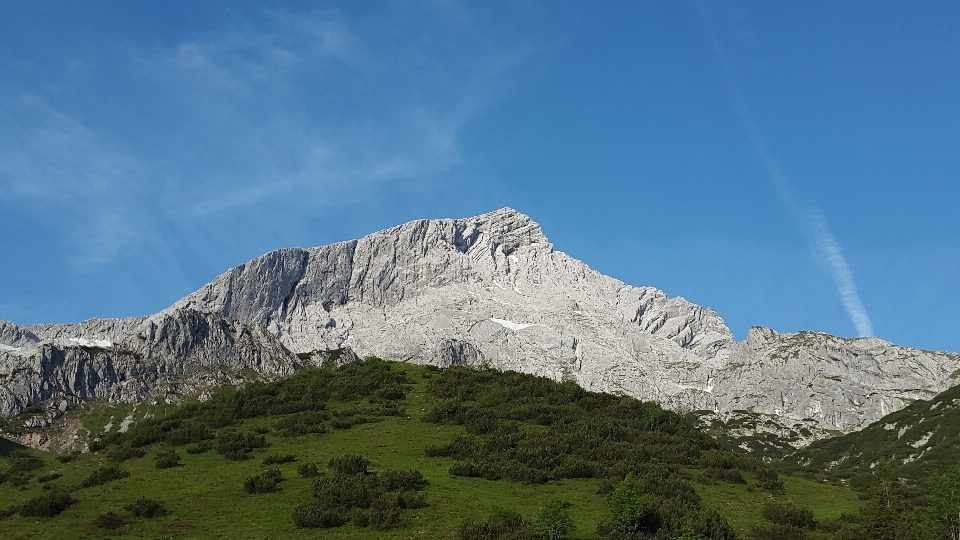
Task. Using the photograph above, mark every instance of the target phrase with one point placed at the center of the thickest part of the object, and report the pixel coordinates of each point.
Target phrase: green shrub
(18, 479)
(103, 475)
(734, 476)
(144, 507)
(123, 452)
(67, 458)
(500, 524)
(47, 504)
(166, 459)
(349, 464)
(313, 516)
(632, 512)
(21, 462)
(274, 459)
(301, 423)
(554, 521)
(200, 448)
(776, 532)
(341, 423)
(50, 476)
(392, 392)
(265, 482)
(768, 479)
(111, 520)
(343, 492)
(233, 442)
(788, 514)
(96, 445)
(308, 470)
(402, 480)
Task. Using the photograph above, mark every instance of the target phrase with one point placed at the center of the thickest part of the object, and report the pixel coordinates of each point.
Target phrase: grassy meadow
(391, 416)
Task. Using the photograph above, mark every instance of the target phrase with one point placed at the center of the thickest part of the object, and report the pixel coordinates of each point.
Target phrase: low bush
(111, 520)
(166, 459)
(96, 445)
(349, 464)
(21, 462)
(47, 504)
(554, 521)
(369, 499)
(768, 479)
(265, 482)
(50, 476)
(104, 475)
(123, 452)
(402, 480)
(341, 423)
(302, 423)
(238, 442)
(788, 514)
(392, 392)
(734, 476)
(312, 516)
(308, 470)
(500, 524)
(200, 448)
(67, 458)
(776, 532)
(144, 507)
(274, 459)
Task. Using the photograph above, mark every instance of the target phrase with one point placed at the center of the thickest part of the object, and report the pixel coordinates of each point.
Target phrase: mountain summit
(490, 291)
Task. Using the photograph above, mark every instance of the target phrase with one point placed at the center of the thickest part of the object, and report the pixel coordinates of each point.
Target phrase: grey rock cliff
(487, 290)
(185, 352)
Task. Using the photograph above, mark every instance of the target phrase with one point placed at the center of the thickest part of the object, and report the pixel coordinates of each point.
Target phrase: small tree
(946, 500)
(554, 521)
(631, 511)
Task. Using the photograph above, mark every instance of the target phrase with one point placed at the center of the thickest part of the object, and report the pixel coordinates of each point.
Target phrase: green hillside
(390, 450)
(917, 442)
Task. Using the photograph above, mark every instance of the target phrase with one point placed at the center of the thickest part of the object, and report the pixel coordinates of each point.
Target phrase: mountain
(487, 290)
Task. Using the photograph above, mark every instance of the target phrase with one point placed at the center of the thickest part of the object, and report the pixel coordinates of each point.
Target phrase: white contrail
(829, 252)
(809, 221)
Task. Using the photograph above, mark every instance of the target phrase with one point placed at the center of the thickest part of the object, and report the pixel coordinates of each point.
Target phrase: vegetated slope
(379, 450)
(917, 442)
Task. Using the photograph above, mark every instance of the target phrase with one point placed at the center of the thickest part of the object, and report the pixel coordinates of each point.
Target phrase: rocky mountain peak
(487, 290)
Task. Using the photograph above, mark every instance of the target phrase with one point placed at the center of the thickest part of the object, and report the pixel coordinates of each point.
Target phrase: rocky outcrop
(487, 290)
(843, 384)
(182, 352)
(14, 338)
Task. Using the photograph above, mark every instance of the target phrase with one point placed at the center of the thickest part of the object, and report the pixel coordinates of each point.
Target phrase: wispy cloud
(59, 168)
(272, 117)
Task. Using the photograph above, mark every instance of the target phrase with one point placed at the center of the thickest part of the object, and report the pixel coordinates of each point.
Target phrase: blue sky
(789, 164)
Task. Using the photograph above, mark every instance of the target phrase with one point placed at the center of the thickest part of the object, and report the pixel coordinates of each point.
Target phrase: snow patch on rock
(510, 324)
(84, 342)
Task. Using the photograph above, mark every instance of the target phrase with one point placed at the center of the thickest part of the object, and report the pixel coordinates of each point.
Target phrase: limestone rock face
(181, 353)
(844, 384)
(487, 290)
